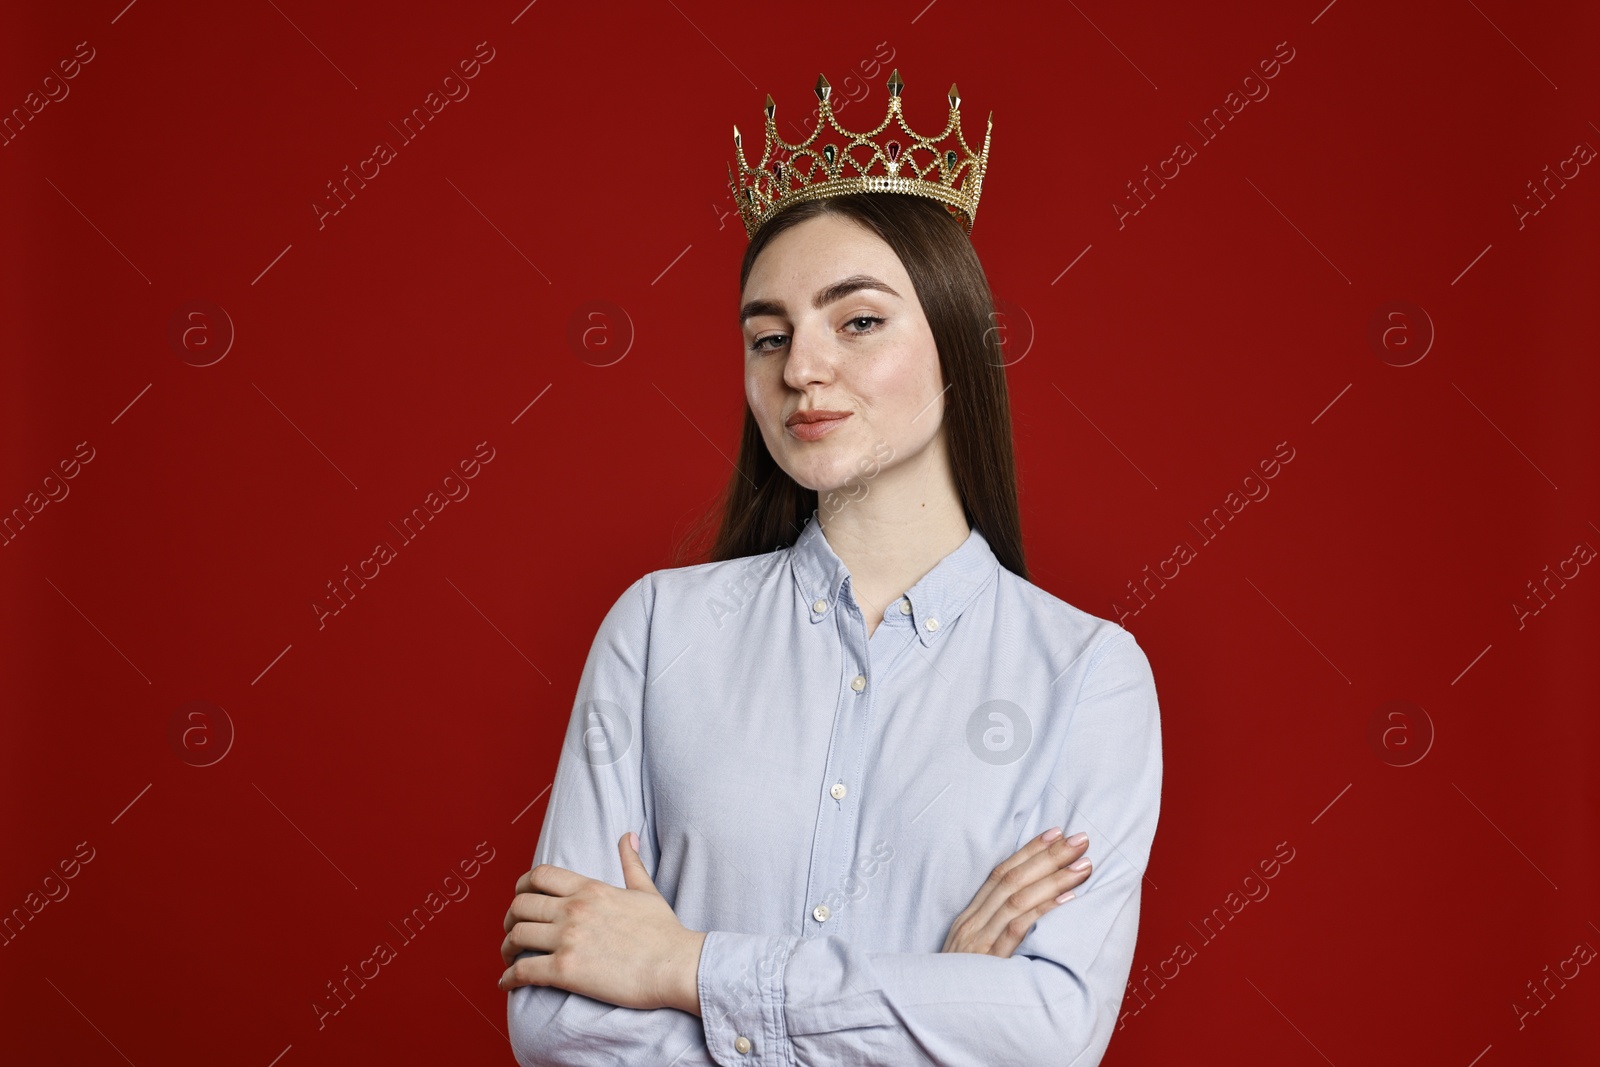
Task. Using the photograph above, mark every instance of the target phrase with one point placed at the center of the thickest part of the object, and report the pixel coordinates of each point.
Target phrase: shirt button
(742, 1043)
(820, 913)
(932, 624)
(859, 682)
(820, 606)
(838, 791)
(905, 607)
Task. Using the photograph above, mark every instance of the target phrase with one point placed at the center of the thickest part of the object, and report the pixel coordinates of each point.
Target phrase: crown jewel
(952, 172)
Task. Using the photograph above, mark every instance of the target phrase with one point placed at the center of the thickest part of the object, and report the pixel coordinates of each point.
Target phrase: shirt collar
(936, 600)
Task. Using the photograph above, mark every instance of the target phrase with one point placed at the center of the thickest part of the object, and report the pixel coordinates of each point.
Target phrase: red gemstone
(894, 151)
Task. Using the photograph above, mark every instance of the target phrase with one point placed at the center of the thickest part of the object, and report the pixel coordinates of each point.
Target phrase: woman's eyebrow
(825, 296)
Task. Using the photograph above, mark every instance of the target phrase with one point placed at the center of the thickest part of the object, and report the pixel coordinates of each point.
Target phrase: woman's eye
(760, 343)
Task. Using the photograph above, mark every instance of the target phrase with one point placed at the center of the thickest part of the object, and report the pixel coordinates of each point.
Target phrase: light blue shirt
(824, 804)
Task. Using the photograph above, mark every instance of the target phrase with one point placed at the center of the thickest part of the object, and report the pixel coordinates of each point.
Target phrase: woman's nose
(807, 359)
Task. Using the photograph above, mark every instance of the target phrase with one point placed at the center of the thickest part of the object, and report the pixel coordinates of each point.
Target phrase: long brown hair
(761, 508)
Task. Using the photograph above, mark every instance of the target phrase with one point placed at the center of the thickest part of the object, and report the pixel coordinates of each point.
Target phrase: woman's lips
(815, 431)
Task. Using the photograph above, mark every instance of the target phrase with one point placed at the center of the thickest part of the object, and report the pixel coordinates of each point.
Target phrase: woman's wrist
(682, 984)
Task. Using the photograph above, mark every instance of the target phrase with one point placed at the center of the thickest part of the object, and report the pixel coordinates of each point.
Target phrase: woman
(849, 758)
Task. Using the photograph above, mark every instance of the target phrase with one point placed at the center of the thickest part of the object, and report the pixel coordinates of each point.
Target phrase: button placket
(834, 836)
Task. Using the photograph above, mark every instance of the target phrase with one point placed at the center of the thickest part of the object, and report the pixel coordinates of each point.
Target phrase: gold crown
(774, 184)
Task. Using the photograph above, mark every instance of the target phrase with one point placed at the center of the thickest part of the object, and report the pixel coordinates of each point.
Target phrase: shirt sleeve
(597, 797)
(783, 1001)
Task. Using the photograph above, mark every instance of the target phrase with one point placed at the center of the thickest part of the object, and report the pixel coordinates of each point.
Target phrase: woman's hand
(1033, 880)
(623, 946)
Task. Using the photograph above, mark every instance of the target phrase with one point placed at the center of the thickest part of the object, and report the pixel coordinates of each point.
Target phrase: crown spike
(955, 97)
(895, 84)
(772, 108)
(738, 142)
(823, 90)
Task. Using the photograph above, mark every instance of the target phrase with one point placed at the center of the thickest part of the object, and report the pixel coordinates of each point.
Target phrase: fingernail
(1052, 833)
(1077, 839)
(1064, 897)
(1081, 865)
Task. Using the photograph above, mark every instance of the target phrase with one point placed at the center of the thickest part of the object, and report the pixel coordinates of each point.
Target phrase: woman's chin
(843, 485)
(820, 477)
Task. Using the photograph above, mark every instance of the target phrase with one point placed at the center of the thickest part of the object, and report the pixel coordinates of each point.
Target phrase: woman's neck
(894, 531)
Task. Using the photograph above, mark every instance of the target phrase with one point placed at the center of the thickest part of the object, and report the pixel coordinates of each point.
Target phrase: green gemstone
(827, 153)
(950, 159)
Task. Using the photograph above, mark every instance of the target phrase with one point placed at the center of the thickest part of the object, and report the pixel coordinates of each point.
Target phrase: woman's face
(811, 344)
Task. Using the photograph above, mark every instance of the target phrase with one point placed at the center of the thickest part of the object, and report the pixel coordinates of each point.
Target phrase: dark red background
(1234, 312)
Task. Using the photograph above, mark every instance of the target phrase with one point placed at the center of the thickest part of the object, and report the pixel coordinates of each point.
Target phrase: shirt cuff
(741, 997)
